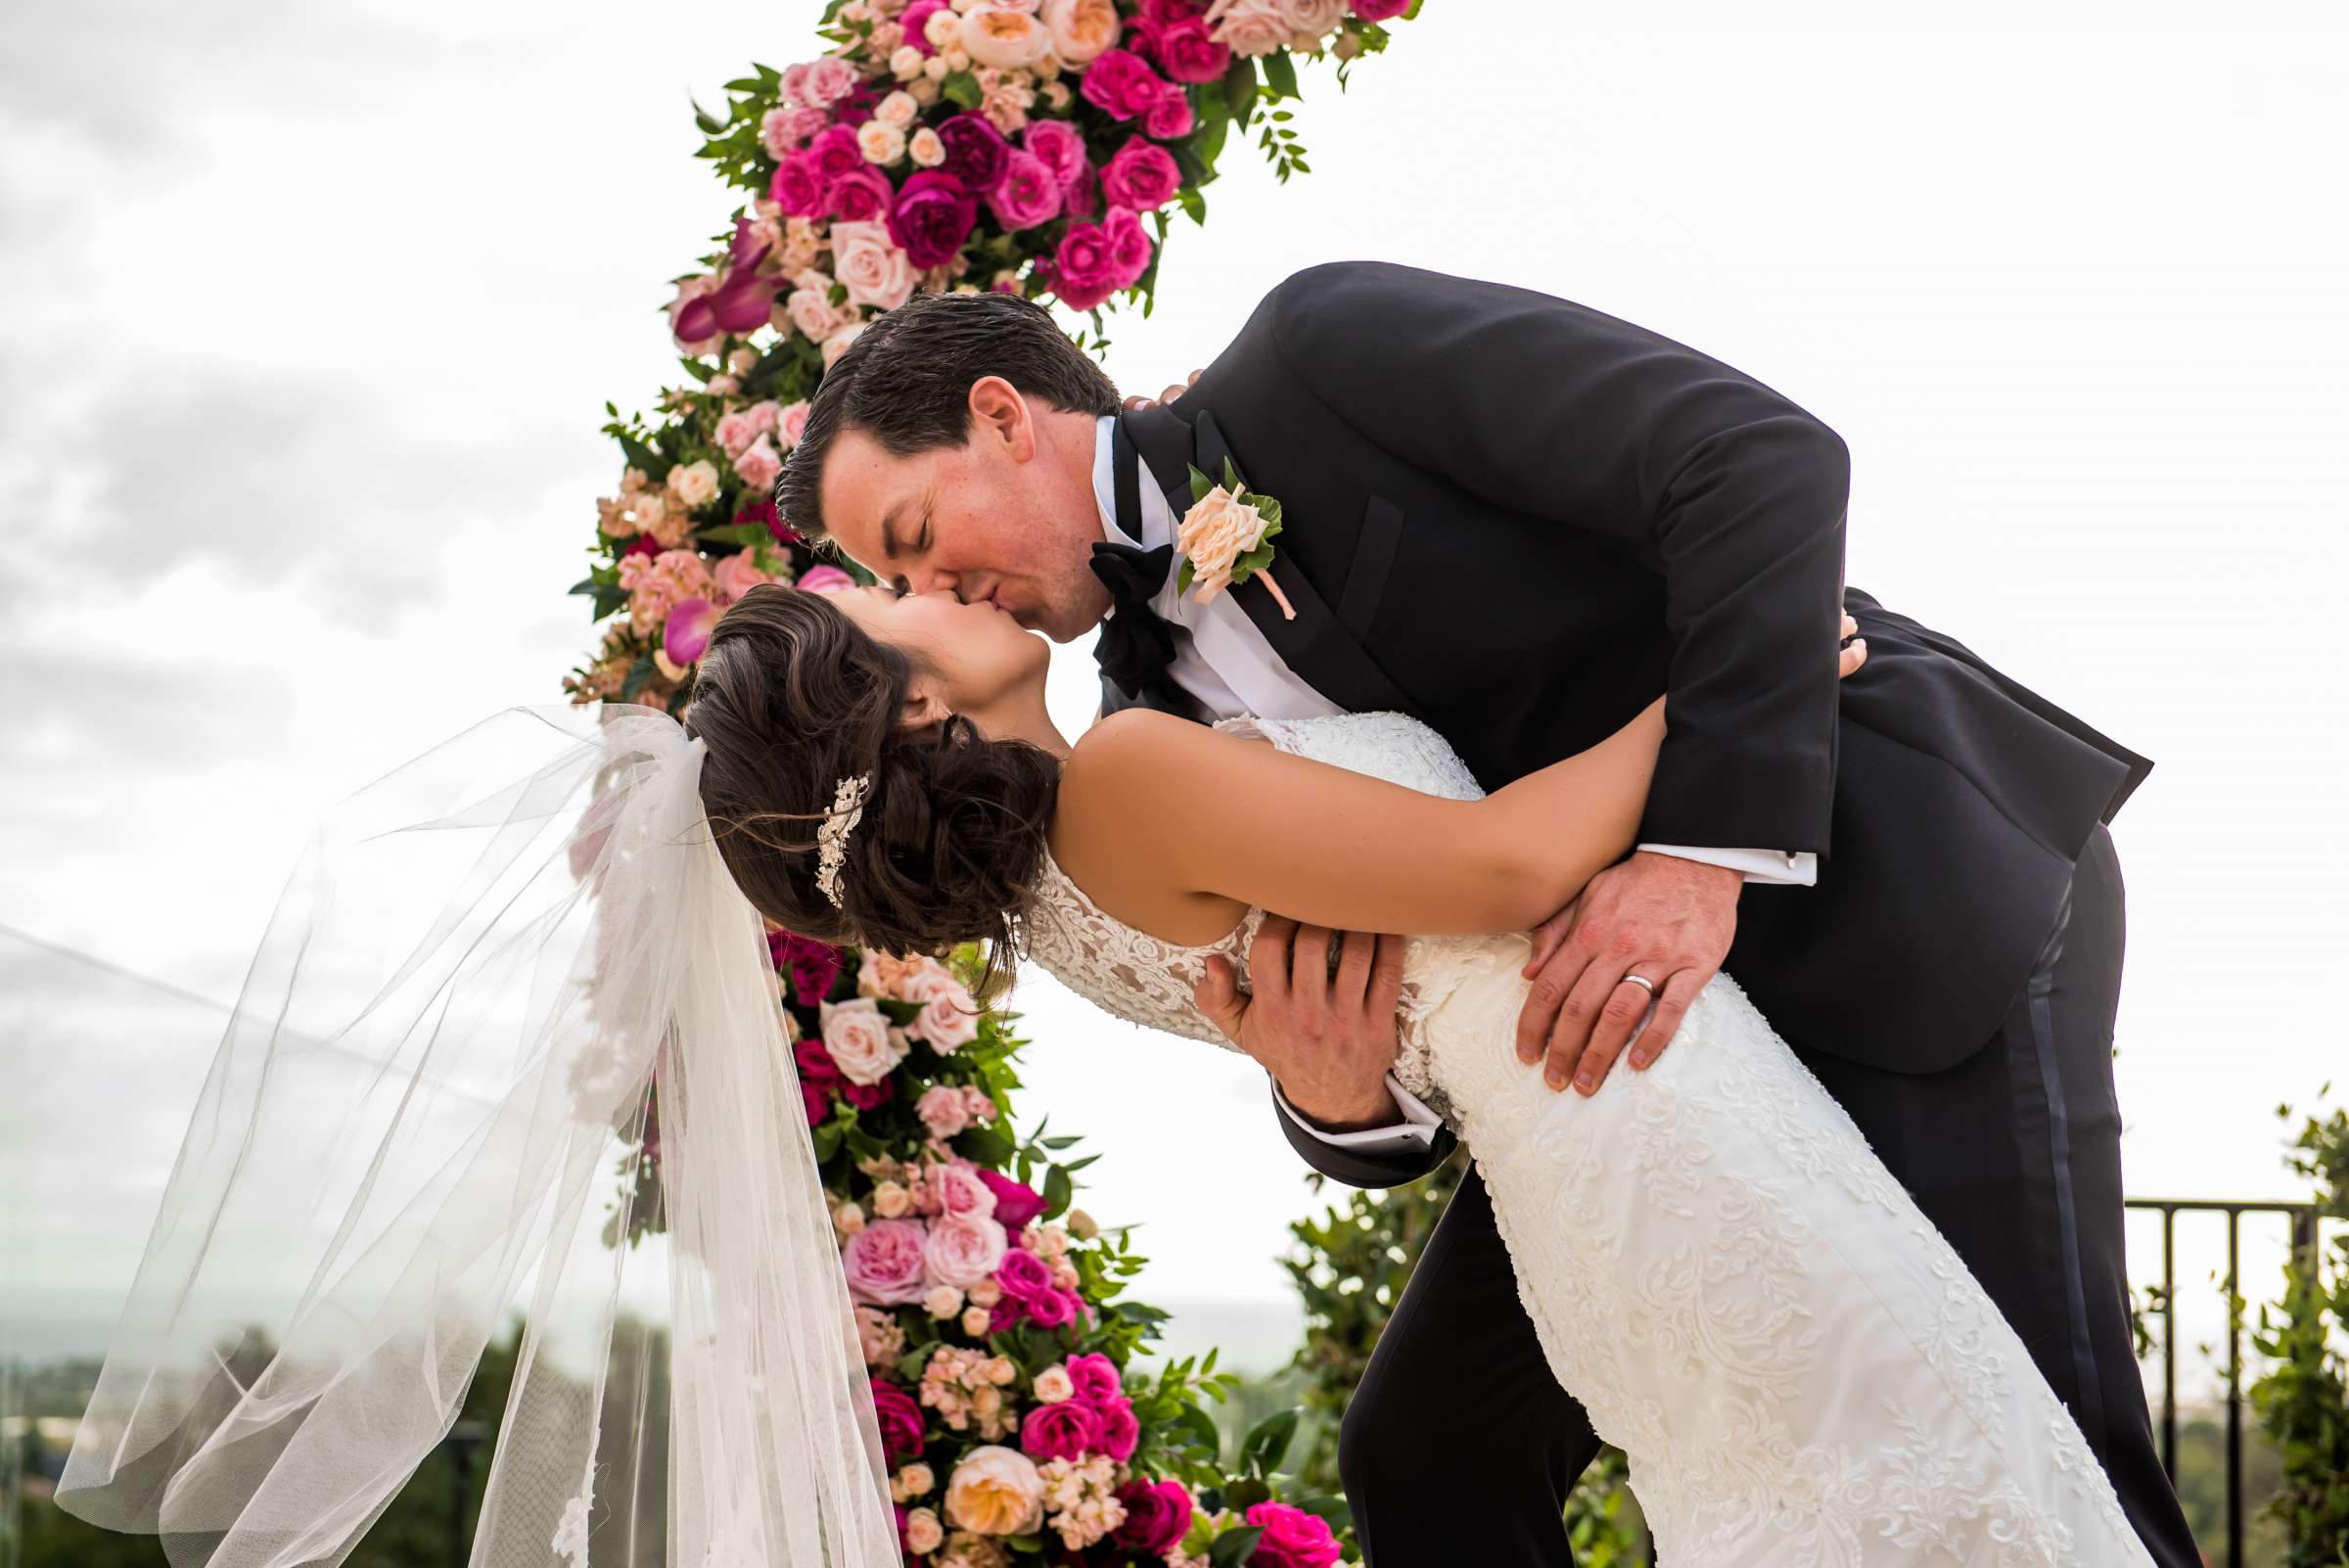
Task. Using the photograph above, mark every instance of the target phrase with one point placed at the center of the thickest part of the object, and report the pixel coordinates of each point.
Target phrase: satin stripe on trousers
(1460, 1446)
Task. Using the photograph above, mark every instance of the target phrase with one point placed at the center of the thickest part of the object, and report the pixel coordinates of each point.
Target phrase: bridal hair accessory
(832, 838)
(1227, 537)
(498, 972)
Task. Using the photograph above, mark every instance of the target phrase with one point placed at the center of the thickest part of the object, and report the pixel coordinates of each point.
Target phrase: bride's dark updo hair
(792, 697)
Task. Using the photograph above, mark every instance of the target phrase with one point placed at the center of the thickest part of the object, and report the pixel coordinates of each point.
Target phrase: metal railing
(2303, 1218)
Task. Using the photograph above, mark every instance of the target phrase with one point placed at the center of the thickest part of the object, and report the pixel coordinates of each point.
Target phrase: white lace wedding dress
(1798, 1366)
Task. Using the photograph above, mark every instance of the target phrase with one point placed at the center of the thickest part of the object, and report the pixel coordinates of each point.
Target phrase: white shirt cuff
(1415, 1132)
(1759, 866)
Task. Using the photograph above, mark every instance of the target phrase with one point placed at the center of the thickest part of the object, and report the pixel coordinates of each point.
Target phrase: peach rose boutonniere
(1227, 537)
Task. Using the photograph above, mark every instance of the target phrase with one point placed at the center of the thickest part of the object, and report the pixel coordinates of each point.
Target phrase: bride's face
(983, 665)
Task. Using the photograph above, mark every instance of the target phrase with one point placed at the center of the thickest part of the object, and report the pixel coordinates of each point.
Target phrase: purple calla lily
(687, 634)
(738, 305)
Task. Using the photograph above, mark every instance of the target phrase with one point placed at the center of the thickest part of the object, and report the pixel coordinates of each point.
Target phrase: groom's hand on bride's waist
(1326, 1035)
(1657, 917)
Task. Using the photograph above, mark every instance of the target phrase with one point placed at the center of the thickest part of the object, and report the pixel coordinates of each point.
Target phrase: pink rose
(1142, 177)
(860, 1039)
(738, 574)
(1122, 85)
(791, 424)
(1311, 21)
(736, 432)
(874, 269)
(944, 1111)
(956, 1189)
(1096, 1378)
(775, 132)
(960, 1250)
(1029, 194)
(884, 1263)
(1016, 1202)
(900, 1422)
(825, 580)
(1189, 54)
(1057, 143)
(949, 1018)
(860, 196)
(826, 82)
(758, 466)
(982, 1106)
(1119, 1430)
(1291, 1539)
(1250, 27)
(1169, 119)
(1063, 1431)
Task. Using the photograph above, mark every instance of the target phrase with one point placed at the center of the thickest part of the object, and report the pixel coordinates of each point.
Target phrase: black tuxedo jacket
(1521, 520)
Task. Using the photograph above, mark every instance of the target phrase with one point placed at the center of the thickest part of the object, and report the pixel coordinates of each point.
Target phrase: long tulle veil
(418, 1124)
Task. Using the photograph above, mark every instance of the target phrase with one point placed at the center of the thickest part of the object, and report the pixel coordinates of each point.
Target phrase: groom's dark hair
(906, 380)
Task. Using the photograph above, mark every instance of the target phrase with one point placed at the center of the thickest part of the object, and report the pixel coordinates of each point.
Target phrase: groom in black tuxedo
(1521, 520)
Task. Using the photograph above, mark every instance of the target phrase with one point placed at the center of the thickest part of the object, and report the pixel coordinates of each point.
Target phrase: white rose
(858, 1036)
(926, 148)
(1006, 39)
(948, 1018)
(944, 1301)
(694, 484)
(1215, 534)
(1249, 27)
(907, 63)
(812, 313)
(898, 109)
(975, 1321)
(871, 264)
(935, 69)
(880, 141)
(941, 30)
(1081, 29)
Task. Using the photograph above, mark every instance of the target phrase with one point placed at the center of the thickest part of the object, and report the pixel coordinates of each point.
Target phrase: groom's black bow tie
(1137, 642)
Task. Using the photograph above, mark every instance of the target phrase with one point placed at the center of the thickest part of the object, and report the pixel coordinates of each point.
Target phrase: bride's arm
(1234, 819)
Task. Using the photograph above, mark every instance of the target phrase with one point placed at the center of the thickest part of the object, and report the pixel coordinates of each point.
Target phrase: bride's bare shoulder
(1136, 793)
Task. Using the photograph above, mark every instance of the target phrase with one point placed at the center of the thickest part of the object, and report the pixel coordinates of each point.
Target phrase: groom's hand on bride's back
(1639, 942)
(1137, 401)
(1327, 1036)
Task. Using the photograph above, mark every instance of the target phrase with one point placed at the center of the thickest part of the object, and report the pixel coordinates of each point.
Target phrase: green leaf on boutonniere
(1200, 483)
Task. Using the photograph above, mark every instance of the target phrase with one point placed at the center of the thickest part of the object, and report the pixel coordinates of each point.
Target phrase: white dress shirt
(1222, 660)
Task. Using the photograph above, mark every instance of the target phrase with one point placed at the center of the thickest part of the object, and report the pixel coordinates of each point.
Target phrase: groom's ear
(999, 416)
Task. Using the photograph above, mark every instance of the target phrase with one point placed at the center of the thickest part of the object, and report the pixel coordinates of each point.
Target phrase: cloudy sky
(312, 312)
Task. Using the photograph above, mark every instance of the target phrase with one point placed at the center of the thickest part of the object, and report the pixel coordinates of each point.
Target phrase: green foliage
(2302, 1400)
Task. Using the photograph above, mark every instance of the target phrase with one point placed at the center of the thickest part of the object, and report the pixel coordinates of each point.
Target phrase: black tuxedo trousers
(1461, 1449)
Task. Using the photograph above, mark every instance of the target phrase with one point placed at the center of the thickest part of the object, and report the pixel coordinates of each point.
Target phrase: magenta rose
(1156, 1515)
(1096, 1378)
(811, 964)
(1053, 1308)
(869, 1096)
(1057, 143)
(816, 1100)
(916, 19)
(816, 1063)
(884, 1263)
(1188, 52)
(1292, 1537)
(835, 153)
(797, 187)
(1169, 13)
(1063, 1431)
(900, 1420)
(1083, 193)
(1027, 195)
(1380, 9)
(1119, 1430)
(1142, 176)
(1122, 84)
(1169, 117)
(1022, 1275)
(976, 152)
(1016, 1203)
(1084, 269)
(860, 196)
(934, 215)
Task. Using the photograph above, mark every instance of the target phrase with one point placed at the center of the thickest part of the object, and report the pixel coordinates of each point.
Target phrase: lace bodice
(1149, 982)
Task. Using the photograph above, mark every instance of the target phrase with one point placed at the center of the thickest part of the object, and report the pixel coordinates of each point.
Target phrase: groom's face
(1006, 519)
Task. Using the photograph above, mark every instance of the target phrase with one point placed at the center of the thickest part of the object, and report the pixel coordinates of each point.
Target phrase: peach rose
(926, 148)
(923, 1532)
(915, 1481)
(860, 1039)
(1249, 27)
(1081, 29)
(871, 264)
(943, 1300)
(1214, 534)
(1052, 1385)
(999, 36)
(694, 484)
(881, 143)
(961, 1250)
(898, 109)
(995, 1490)
(891, 1201)
(975, 1321)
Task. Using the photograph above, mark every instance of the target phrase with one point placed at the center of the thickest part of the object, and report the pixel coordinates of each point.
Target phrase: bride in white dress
(1797, 1365)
